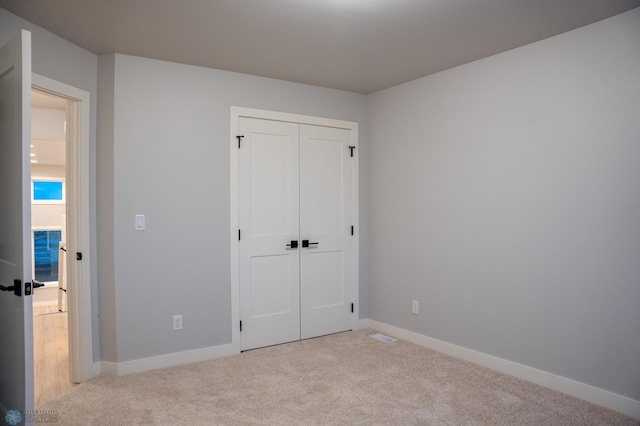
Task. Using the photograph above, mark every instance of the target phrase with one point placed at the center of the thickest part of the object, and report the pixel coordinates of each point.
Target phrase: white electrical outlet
(177, 322)
(415, 306)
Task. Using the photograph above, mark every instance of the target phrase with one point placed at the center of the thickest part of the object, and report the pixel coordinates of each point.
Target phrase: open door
(16, 321)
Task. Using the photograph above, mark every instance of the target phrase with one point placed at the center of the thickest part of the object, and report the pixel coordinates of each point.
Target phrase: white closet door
(325, 221)
(295, 189)
(269, 273)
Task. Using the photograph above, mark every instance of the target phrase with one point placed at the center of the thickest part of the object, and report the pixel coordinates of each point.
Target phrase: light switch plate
(139, 222)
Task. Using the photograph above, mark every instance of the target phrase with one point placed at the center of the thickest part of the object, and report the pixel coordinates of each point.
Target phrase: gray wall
(163, 152)
(505, 197)
(104, 217)
(62, 61)
(170, 161)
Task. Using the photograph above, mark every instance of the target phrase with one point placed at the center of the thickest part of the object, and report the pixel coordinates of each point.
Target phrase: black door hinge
(352, 308)
(239, 236)
(352, 230)
(78, 256)
(239, 137)
(351, 148)
(240, 325)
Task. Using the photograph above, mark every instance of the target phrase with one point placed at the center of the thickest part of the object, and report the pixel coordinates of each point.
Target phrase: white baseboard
(163, 361)
(97, 369)
(362, 324)
(171, 360)
(619, 403)
(45, 303)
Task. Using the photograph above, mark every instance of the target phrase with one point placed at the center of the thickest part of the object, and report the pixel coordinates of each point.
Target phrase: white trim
(46, 302)
(108, 368)
(363, 324)
(355, 212)
(619, 403)
(235, 114)
(96, 369)
(233, 223)
(81, 365)
(164, 361)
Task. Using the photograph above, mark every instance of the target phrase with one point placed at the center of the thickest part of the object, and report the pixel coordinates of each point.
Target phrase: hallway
(51, 353)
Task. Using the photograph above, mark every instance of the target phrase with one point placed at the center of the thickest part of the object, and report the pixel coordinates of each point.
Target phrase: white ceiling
(44, 100)
(49, 151)
(357, 45)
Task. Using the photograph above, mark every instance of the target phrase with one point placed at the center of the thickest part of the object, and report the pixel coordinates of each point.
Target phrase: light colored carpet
(342, 379)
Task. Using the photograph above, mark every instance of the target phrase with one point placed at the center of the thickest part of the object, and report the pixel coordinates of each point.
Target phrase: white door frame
(236, 113)
(78, 225)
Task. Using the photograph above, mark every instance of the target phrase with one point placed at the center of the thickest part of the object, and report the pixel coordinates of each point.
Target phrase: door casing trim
(235, 114)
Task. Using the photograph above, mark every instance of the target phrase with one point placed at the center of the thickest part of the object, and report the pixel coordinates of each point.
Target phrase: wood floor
(51, 353)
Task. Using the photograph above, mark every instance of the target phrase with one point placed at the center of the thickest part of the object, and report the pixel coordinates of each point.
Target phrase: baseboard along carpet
(342, 379)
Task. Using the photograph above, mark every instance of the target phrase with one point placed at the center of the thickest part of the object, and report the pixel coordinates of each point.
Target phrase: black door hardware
(294, 244)
(29, 287)
(306, 244)
(16, 288)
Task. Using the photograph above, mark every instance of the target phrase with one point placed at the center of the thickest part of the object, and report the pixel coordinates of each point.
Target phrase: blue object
(48, 190)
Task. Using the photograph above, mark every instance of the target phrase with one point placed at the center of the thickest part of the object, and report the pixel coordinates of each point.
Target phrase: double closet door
(296, 242)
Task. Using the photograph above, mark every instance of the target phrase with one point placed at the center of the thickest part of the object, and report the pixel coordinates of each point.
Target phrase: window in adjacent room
(46, 248)
(48, 191)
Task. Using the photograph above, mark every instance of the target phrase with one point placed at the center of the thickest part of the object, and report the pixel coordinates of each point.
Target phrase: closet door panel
(325, 222)
(295, 186)
(269, 220)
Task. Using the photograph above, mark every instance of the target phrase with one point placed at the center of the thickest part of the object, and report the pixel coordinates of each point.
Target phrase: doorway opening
(48, 244)
(63, 343)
